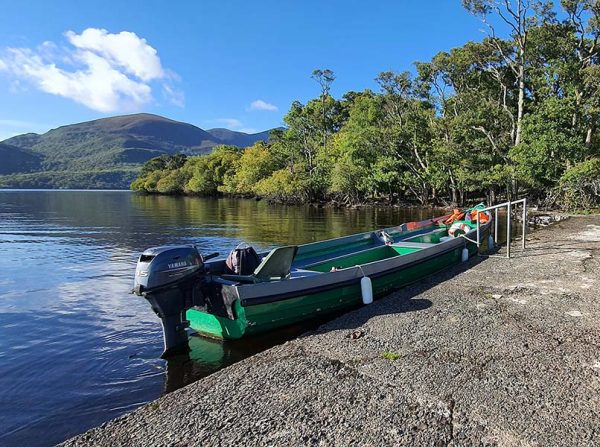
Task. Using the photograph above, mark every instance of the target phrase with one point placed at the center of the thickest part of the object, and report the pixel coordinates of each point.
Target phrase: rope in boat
(361, 270)
(470, 240)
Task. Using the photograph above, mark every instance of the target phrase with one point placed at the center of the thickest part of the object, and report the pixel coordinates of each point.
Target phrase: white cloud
(124, 49)
(105, 72)
(259, 104)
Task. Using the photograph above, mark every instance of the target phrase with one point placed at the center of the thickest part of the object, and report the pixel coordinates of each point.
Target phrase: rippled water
(76, 348)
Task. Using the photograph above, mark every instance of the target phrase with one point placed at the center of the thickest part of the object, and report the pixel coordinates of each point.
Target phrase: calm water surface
(76, 349)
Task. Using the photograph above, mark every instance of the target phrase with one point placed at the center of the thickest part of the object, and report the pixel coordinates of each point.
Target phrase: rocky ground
(497, 352)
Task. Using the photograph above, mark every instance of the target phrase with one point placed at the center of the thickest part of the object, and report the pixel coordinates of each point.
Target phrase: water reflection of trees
(133, 221)
(267, 223)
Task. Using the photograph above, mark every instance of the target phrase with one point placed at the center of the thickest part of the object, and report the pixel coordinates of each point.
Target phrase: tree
(356, 149)
(172, 183)
(302, 142)
(580, 185)
(165, 161)
(255, 164)
(209, 174)
(406, 126)
(584, 20)
(520, 16)
(324, 78)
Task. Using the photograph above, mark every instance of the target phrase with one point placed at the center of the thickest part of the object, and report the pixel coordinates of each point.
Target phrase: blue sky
(205, 62)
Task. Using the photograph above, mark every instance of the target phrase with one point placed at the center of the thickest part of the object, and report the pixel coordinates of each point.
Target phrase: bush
(148, 182)
(255, 164)
(580, 185)
(176, 174)
(282, 185)
(208, 173)
(172, 183)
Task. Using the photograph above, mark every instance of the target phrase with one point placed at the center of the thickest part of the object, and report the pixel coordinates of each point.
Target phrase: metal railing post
(524, 223)
(496, 225)
(478, 230)
(509, 222)
(508, 232)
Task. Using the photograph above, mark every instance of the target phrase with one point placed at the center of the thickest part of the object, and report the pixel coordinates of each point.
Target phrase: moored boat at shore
(297, 283)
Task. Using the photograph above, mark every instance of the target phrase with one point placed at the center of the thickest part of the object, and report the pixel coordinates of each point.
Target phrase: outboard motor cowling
(160, 266)
(171, 278)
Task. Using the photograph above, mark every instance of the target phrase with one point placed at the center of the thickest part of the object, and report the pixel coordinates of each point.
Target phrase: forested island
(499, 117)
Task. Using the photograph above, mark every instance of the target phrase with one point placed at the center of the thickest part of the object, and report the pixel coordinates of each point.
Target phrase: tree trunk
(521, 103)
(324, 122)
(454, 196)
(453, 189)
(491, 196)
(589, 134)
(575, 117)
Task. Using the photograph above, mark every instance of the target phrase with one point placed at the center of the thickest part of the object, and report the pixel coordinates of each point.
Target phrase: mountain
(239, 139)
(117, 145)
(14, 159)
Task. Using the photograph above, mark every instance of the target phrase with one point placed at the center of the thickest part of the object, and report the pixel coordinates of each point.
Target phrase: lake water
(76, 349)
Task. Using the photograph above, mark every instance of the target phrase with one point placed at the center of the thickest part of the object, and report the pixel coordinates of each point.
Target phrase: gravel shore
(496, 352)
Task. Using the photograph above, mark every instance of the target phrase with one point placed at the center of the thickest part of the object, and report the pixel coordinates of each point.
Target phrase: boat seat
(276, 265)
(382, 237)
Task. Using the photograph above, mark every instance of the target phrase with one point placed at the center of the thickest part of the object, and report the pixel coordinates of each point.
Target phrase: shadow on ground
(398, 302)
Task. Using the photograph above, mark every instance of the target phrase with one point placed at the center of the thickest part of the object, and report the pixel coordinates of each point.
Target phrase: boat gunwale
(356, 237)
(248, 302)
(368, 234)
(281, 296)
(403, 235)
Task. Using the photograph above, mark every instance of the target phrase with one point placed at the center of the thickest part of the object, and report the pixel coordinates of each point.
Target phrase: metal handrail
(508, 205)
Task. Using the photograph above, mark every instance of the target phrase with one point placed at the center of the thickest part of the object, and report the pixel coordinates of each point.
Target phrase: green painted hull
(259, 318)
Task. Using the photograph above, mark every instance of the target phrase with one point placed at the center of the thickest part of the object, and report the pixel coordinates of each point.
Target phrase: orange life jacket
(457, 214)
(483, 217)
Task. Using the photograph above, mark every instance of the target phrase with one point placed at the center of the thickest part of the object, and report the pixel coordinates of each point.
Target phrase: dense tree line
(499, 117)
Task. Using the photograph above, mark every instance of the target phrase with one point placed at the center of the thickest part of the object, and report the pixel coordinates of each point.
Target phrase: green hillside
(113, 148)
(15, 159)
(239, 139)
(98, 179)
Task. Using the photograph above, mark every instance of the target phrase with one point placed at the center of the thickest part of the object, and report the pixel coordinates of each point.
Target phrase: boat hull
(261, 310)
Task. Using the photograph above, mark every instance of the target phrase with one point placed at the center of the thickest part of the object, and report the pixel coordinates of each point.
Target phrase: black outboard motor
(171, 278)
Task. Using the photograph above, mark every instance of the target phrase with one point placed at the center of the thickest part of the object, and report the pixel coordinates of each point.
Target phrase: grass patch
(390, 355)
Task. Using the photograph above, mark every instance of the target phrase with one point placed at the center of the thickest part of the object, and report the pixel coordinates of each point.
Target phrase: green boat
(296, 283)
